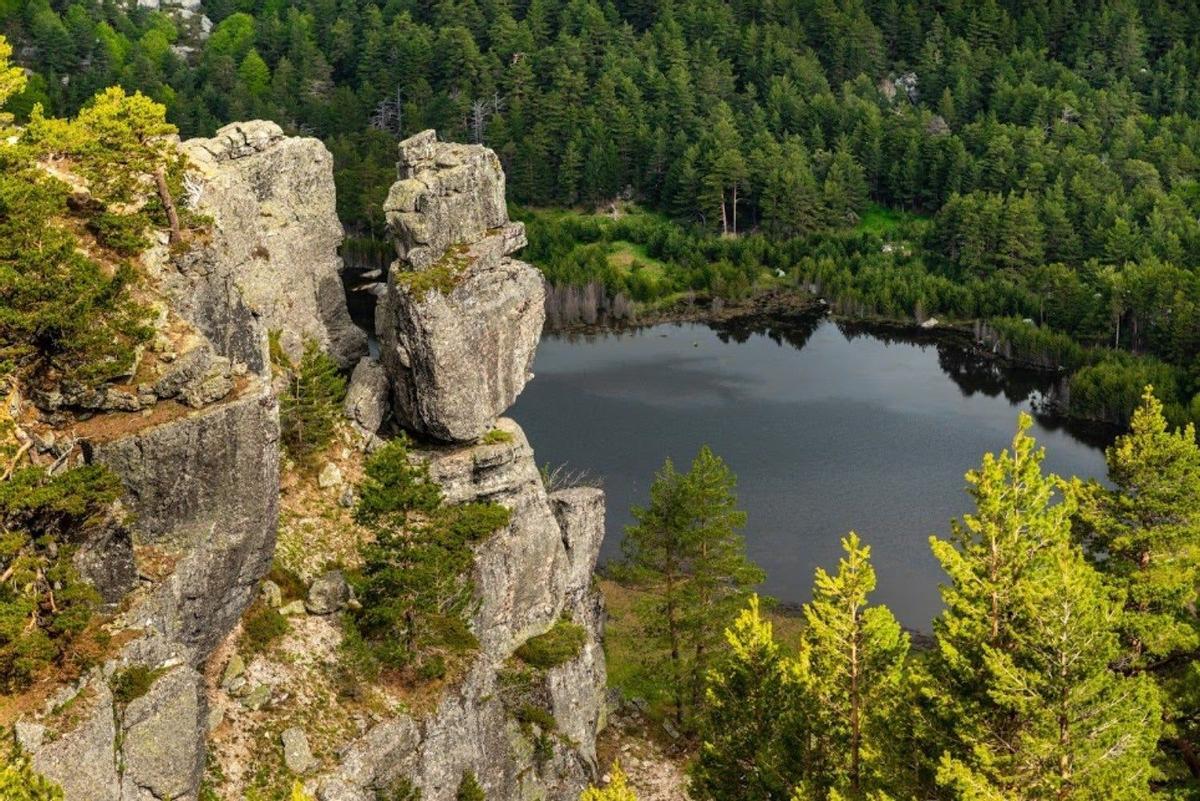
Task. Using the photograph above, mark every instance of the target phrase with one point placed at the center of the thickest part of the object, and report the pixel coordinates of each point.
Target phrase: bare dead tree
(389, 114)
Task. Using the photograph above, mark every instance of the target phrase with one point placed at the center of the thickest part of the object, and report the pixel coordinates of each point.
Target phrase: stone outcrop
(274, 243)
(201, 477)
(527, 576)
(461, 320)
(459, 327)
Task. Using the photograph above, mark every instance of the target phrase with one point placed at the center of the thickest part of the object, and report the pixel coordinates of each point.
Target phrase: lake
(828, 429)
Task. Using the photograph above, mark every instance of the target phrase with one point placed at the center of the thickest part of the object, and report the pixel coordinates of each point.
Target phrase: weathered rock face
(447, 194)
(527, 576)
(274, 244)
(461, 320)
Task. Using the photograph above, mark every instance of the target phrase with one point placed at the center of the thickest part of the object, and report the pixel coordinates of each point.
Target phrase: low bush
(469, 788)
(44, 603)
(133, 682)
(262, 626)
(562, 643)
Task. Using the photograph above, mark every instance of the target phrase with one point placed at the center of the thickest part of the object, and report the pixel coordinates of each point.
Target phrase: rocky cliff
(195, 442)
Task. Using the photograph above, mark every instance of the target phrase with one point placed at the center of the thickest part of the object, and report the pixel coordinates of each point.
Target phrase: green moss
(441, 276)
(562, 643)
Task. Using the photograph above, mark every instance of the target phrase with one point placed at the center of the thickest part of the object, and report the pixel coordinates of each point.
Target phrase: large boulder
(274, 241)
(458, 360)
(461, 320)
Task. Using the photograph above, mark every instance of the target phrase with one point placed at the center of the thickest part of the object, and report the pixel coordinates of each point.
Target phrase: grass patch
(559, 645)
(441, 276)
(882, 221)
(497, 436)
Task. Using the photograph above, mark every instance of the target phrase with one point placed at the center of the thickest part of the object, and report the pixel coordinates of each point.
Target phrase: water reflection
(829, 427)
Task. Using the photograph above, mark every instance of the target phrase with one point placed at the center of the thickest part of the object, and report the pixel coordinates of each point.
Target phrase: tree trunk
(164, 195)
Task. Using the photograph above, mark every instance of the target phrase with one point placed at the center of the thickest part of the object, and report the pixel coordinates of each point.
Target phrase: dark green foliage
(44, 603)
(133, 682)
(263, 625)
(61, 314)
(531, 715)
(395, 485)
(686, 553)
(310, 404)
(469, 788)
(415, 584)
(559, 645)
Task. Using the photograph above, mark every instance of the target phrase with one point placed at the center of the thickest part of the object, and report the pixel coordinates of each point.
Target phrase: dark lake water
(828, 429)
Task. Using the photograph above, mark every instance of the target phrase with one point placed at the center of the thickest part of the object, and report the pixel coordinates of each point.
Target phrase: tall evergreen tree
(1019, 684)
(853, 657)
(749, 706)
(685, 551)
(1144, 534)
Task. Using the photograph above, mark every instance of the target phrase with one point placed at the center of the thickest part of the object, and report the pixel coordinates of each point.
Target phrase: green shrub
(18, 782)
(394, 485)
(119, 232)
(414, 585)
(262, 626)
(469, 788)
(311, 403)
(133, 682)
(531, 715)
(44, 602)
(291, 586)
(559, 645)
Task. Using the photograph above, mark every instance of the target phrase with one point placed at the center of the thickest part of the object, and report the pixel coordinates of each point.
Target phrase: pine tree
(1019, 685)
(854, 655)
(685, 550)
(310, 406)
(1145, 535)
(744, 750)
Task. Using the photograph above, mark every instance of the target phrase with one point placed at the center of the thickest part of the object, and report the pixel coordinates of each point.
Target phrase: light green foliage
(750, 705)
(1145, 537)
(44, 604)
(310, 404)
(469, 789)
(617, 789)
(853, 655)
(415, 583)
(19, 782)
(559, 645)
(1020, 687)
(686, 552)
(497, 436)
(12, 80)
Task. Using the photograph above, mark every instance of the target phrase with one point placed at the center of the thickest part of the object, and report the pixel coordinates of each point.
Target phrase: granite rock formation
(461, 320)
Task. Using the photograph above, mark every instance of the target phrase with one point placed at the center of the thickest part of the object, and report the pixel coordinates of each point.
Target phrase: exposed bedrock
(274, 243)
(461, 320)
